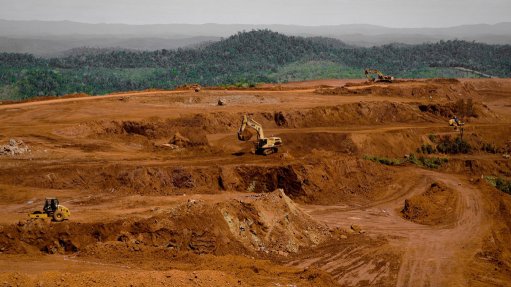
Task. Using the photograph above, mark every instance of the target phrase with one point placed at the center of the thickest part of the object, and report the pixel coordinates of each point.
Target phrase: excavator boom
(253, 124)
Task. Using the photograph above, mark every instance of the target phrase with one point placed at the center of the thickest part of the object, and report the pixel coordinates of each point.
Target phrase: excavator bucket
(245, 135)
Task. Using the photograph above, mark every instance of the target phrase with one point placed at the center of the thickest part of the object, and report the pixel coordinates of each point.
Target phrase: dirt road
(432, 255)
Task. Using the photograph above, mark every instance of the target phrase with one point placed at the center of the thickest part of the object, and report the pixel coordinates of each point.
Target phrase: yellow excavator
(380, 76)
(263, 145)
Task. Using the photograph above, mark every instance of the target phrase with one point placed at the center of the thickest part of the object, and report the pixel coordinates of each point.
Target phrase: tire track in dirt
(431, 255)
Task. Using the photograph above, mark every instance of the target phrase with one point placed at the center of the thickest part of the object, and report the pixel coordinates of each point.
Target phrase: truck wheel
(58, 216)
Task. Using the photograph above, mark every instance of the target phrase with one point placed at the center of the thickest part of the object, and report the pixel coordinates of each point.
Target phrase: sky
(390, 13)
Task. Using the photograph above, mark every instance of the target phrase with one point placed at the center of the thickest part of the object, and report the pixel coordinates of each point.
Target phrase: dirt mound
(180, 140)
(450, 89)
(436, 206)
(258, 224)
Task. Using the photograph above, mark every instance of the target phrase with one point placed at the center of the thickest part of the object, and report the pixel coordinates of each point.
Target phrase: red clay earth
(162, 193)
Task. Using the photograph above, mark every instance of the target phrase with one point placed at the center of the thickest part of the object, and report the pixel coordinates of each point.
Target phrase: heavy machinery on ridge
(380, 76)
(456, 123)
(263, 145)
(52, 209)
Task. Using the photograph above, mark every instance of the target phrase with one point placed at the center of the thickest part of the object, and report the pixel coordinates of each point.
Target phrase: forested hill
(247, 57)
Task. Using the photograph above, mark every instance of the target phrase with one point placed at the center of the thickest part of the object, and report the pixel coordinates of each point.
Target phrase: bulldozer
(263, 145)
(52, 209)
(380, 76)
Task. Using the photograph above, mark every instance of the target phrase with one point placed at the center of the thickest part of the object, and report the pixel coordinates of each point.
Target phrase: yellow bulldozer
(263, 145)
(52, 209)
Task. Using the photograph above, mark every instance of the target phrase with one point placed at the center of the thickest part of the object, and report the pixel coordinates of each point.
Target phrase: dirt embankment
(491, 266)
(155, 134)
(476, 168)
(218, 122)
(435, 206)
(210, 243)
(258, 225)
(325, 180)
(450, 89)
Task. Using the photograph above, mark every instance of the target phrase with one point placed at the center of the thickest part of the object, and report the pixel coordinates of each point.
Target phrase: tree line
(244, 57)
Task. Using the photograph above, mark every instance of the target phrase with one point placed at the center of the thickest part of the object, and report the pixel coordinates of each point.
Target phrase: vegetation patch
(384, 160)
(428, 162)
(500, 183)
(447, 145)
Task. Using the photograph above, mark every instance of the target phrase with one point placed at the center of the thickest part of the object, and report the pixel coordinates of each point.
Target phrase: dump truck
(52, 209)
(263, 145)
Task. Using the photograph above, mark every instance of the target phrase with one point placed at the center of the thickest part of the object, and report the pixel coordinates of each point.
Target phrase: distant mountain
(55, 46)
(66, 28)
(50, 38)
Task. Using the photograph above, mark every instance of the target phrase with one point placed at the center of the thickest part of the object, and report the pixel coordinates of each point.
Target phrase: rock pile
(14, 147)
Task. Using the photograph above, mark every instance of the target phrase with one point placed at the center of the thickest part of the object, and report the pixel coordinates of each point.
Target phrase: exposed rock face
(14, 147)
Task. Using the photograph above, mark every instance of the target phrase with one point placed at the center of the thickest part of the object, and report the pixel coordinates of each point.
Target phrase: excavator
(381, 77)
(263, 145)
